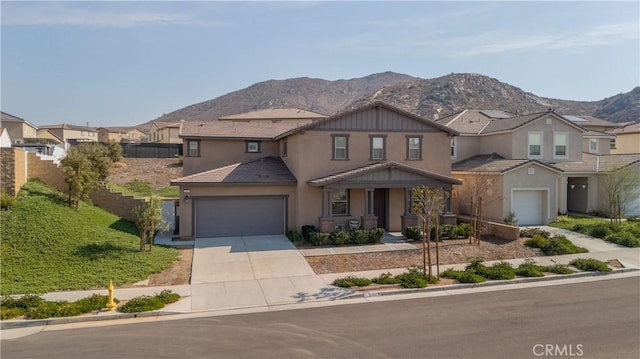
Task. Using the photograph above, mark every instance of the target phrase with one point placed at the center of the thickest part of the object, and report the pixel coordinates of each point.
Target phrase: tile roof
(267, 170)
(593, 163)
(591, 121)
(341, 176)
(508, 124)
(471, 121)
(11, 118)
(226, 129)
(276, 114)
(630, 127)
(162, 125)
(494, 163)
(121, 129)
(592, 134)
(67, 126)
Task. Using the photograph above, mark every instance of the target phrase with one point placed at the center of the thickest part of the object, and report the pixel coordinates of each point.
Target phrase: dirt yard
(179, 273)
(157, 171)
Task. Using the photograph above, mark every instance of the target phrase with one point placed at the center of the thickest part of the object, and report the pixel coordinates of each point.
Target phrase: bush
(359, 236)
(624, 239)
(476, 266)
(600, 230)
(560, 245)
(511, 219)
(294, 236)
(307, 230)
(590, 265)
(501, 271)
(468, 277)
(168, 297)
(91, 303)
(530, 269)
(451, 273)
(24, 302)
(537, 241)
(7, 201)
(10, 313)
(530, 232)
(563, 218)
(414, 277)
(413, 233)
(339, 237)
(579, 227)
(376, 235)
(448, 231)
(317, 238)
(386, 278)
(351, 281)
(143, 303)
(48, 309)
(463, 230)
(560, 269)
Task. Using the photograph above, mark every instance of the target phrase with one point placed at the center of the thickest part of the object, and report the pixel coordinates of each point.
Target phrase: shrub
(386, 278)
(448, 231)
(351, 281)
(143, 303)
(339, 237)
(10, 313)
(359, 236)
(91, 303)
(600, 230)
(48, 309)
(633, 219)
(590, 265)
(376, 235)
(579, 227)
(294, 236)
(530, 269)
(463, 230)
(501, 271)
(307, 230)
(560, 245)
(624, 239)
(468, 277)
(476, 266)
(530, 232)
(413, 233)
(563, 218)
(414, 277)
(7, 201)
(451, 273)
(168, 297)
(24, 302)
(317, 238)
(511, 219)
(559, 269)
(537, 241)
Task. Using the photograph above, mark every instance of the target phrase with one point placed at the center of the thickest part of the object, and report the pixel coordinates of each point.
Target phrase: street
(598, 319)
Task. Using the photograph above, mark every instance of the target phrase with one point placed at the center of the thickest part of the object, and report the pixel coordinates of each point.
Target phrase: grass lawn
(626, 234)
(48, 246)
(141, 189)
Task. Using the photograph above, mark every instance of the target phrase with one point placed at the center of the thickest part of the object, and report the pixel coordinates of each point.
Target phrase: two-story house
(72, 134)
(596, 140)
(627, 138)
(164, 132)
(120, 134)
(536, 164)
(358, 165)
(20, 130)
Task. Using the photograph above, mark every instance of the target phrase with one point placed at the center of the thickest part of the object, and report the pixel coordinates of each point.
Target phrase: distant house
(627, 138)
(5, 139)
(276, 115)
(596, 140)
(48, 137)
(120, 134)
(20, 130)
(72, 134)
(164, 132)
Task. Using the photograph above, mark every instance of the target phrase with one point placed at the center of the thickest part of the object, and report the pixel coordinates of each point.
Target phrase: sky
(109, 63)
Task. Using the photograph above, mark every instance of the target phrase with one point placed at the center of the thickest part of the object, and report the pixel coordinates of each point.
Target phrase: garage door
(633, 208)
(239, 216)
(528, 206)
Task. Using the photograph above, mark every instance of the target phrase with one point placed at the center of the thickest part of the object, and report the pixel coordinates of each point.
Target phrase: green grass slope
(48, 246)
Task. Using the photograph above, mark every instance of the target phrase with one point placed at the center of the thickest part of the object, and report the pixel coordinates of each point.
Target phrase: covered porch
(376, 196)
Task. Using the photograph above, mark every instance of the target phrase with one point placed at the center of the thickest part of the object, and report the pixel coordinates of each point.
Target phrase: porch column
(326, 195)
(408, 219)
(369, 220)
(326, 223)
(407, 201)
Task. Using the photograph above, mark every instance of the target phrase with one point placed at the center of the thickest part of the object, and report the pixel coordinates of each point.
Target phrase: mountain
(430, 98)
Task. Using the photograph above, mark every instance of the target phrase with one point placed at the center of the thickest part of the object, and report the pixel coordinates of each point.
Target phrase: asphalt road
(588, 320)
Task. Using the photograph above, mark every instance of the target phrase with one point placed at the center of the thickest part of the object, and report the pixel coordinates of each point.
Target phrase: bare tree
(428, 204)
(478, 191)
(622, 186)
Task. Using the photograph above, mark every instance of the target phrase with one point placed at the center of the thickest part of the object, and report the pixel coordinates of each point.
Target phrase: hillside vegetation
(48, 246)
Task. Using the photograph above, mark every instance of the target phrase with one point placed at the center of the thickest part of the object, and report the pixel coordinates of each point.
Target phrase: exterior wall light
(187, 199)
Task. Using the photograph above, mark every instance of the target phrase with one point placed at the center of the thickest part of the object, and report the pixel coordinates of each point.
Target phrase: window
(613, 144)
(193, 148)
(454, 148)
(284, 148)
(339, 202)
(535, 144)
(560, 145)
(340, 147)
(593, 145)
(377, 147)
(414, 148)
(253, 146)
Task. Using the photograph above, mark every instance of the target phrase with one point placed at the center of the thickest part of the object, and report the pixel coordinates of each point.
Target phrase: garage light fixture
(187, 199)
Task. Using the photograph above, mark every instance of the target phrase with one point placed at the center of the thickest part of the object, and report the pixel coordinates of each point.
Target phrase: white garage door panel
(239, 216)
(633, 209)
(528, 207)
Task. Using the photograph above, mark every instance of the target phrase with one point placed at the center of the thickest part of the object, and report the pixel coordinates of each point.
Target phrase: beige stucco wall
(501, 144)
(492, 205)
(19, 130)
(541, 179)
(520, 140)
(467, 146)
(604, 146)
(220, 153)
(185, 211)
(627, 143)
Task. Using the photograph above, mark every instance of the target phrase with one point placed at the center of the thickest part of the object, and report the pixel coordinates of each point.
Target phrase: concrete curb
(25, 323)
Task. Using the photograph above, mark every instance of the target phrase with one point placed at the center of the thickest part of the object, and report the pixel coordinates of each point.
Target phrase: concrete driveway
(234, 272)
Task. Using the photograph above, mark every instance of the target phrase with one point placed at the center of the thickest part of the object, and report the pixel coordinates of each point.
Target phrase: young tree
(149, 220)
(98, 155)
(478, 192)
(622, 186)
(114, 151)
(78, 175)
(428, 204)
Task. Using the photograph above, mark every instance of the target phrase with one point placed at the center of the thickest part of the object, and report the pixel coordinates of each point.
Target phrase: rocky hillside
(431, 98)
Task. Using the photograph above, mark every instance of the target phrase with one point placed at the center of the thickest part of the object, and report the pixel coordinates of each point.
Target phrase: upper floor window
(193, 148)
(340, 202)
(560, 143)
(414, 147)
(377, 147)
(454, 148)
(613, 144)
(284, 148)
(535, 144)
(340, 147)
(253, 146)
(593, 145)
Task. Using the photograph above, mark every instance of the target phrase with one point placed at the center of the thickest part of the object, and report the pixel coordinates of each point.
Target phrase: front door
(380, 196)
(577, 191)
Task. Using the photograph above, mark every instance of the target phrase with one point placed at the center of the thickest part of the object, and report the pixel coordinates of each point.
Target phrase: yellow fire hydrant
(111, 305)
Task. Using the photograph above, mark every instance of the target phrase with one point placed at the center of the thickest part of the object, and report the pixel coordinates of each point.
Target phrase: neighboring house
(48, 137)
(120, 134)
(72, 134)
(535, 163)
(164, 132)
(358, 165)
(596, 140)
(5, 139)
(276, 115)
(20, 130)
(627, 138)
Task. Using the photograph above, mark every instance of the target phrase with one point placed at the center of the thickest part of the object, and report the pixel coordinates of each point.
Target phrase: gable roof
(47, 134)
(375, 104)
(592, 163)
(517, 122)
(234, 130)
(119, 129)
(267, 170)
(627, 128)
(494, 163)
(66, 126)
(161, 124)
(472, 121)
(5, 117)
(342, 176)
(276, 114)
(590, 121)
(598, 134)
